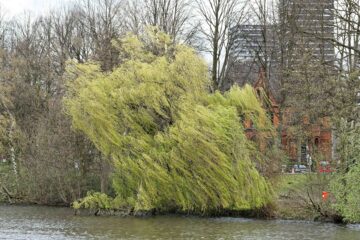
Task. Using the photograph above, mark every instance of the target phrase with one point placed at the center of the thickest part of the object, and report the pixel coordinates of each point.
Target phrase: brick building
(319, 141)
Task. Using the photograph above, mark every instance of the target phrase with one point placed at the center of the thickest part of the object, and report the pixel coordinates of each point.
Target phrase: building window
(317, 142)
(303, 152)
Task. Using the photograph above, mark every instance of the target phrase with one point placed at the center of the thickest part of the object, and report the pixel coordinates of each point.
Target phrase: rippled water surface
(59, 223)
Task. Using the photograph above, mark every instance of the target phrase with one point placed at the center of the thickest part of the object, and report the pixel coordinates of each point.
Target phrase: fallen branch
(7, 193)
(316, 206)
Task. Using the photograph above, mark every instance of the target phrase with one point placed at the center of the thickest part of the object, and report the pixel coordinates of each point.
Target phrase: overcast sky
(14, 7)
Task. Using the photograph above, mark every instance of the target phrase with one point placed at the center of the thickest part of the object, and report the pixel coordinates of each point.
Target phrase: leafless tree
(347, 44)
(217, 18)
(174, 17)
(104, 22)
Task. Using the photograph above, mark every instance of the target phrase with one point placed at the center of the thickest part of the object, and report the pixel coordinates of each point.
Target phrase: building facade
(319, 141)
(303, 26)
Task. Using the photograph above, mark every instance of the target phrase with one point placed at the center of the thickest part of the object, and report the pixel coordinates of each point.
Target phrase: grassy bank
(299, 196)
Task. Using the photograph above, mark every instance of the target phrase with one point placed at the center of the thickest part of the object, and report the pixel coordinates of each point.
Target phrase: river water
(59, 223)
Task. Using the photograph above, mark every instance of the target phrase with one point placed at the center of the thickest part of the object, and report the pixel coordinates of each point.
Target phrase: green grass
(283, 184)
(293, 191)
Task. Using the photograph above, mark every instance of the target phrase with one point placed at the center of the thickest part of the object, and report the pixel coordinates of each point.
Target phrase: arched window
(317, 142)
(304, 152)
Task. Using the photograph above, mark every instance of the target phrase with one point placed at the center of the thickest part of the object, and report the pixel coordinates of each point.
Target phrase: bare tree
(347, 44)
(347, 38)
(218, 16)
(256, 44)
(134, 16)
(104, 22)
(173, 17)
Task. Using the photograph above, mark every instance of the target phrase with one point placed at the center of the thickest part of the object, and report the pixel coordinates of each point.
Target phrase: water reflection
(59, 223)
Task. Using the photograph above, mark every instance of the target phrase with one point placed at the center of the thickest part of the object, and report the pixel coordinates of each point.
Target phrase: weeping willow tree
(173, 145)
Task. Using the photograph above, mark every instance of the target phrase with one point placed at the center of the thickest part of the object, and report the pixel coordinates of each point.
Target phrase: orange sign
(325, 195)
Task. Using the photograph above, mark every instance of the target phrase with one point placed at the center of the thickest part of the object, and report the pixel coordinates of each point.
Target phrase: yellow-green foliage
(173, 145)
(95, 201)
(345, 182)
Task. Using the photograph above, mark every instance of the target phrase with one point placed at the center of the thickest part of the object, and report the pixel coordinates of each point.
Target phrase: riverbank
(285, 210)
(299, 197)
(36, 222)
(294, 201)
